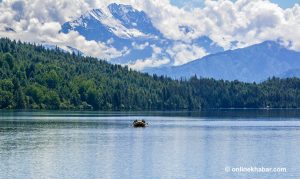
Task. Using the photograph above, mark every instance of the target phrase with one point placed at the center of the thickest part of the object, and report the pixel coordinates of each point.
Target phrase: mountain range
(125, 28)
(251, 64)
(131, 30)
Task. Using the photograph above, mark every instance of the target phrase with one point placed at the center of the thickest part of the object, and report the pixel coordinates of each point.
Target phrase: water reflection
(39, 145)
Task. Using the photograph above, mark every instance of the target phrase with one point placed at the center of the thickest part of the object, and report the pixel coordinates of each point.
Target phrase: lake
(207, 144)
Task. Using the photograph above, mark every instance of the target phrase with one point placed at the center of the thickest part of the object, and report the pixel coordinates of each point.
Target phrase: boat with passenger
(139, 123)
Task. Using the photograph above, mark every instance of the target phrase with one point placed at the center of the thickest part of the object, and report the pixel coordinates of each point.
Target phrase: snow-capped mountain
(133, 19)
(251, 64)
(125, 28)
(132, 31)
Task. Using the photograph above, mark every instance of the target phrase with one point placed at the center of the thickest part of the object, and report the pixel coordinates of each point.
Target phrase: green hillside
(32, 77)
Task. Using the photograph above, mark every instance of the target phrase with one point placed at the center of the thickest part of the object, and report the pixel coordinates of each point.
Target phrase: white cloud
(48, 33)
(140, 46)
(156, 60)
(250, 22)
(40, 21)
(141, 64)
(245, 21)
(183, 53)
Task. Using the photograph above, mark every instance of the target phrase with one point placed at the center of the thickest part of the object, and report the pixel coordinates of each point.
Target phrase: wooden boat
(139, 123)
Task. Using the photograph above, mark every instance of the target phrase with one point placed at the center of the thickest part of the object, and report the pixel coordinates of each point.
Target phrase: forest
(33, 77)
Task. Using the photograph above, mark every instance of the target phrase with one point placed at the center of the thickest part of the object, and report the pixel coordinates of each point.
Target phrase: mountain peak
(269, 47)
(131, 31)
(270, 43)
(96, 12)
(132, 18)
(121, 8)
(254, 63)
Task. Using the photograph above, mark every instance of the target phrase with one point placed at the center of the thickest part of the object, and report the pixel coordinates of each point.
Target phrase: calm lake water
(84, 145)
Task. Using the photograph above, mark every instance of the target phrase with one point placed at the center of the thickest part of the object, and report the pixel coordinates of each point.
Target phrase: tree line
(33, 77)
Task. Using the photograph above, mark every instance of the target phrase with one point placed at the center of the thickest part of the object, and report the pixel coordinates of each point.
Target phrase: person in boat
(139, 123)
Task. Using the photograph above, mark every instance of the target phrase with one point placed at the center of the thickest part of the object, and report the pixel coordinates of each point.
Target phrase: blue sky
(191, 3)
(197, 3)
(286, 3)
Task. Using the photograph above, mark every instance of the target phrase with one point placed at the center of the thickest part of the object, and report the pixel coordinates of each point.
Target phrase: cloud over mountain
(230, 24)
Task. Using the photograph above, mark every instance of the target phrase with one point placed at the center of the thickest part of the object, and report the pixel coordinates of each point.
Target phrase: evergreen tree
(36, 78)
